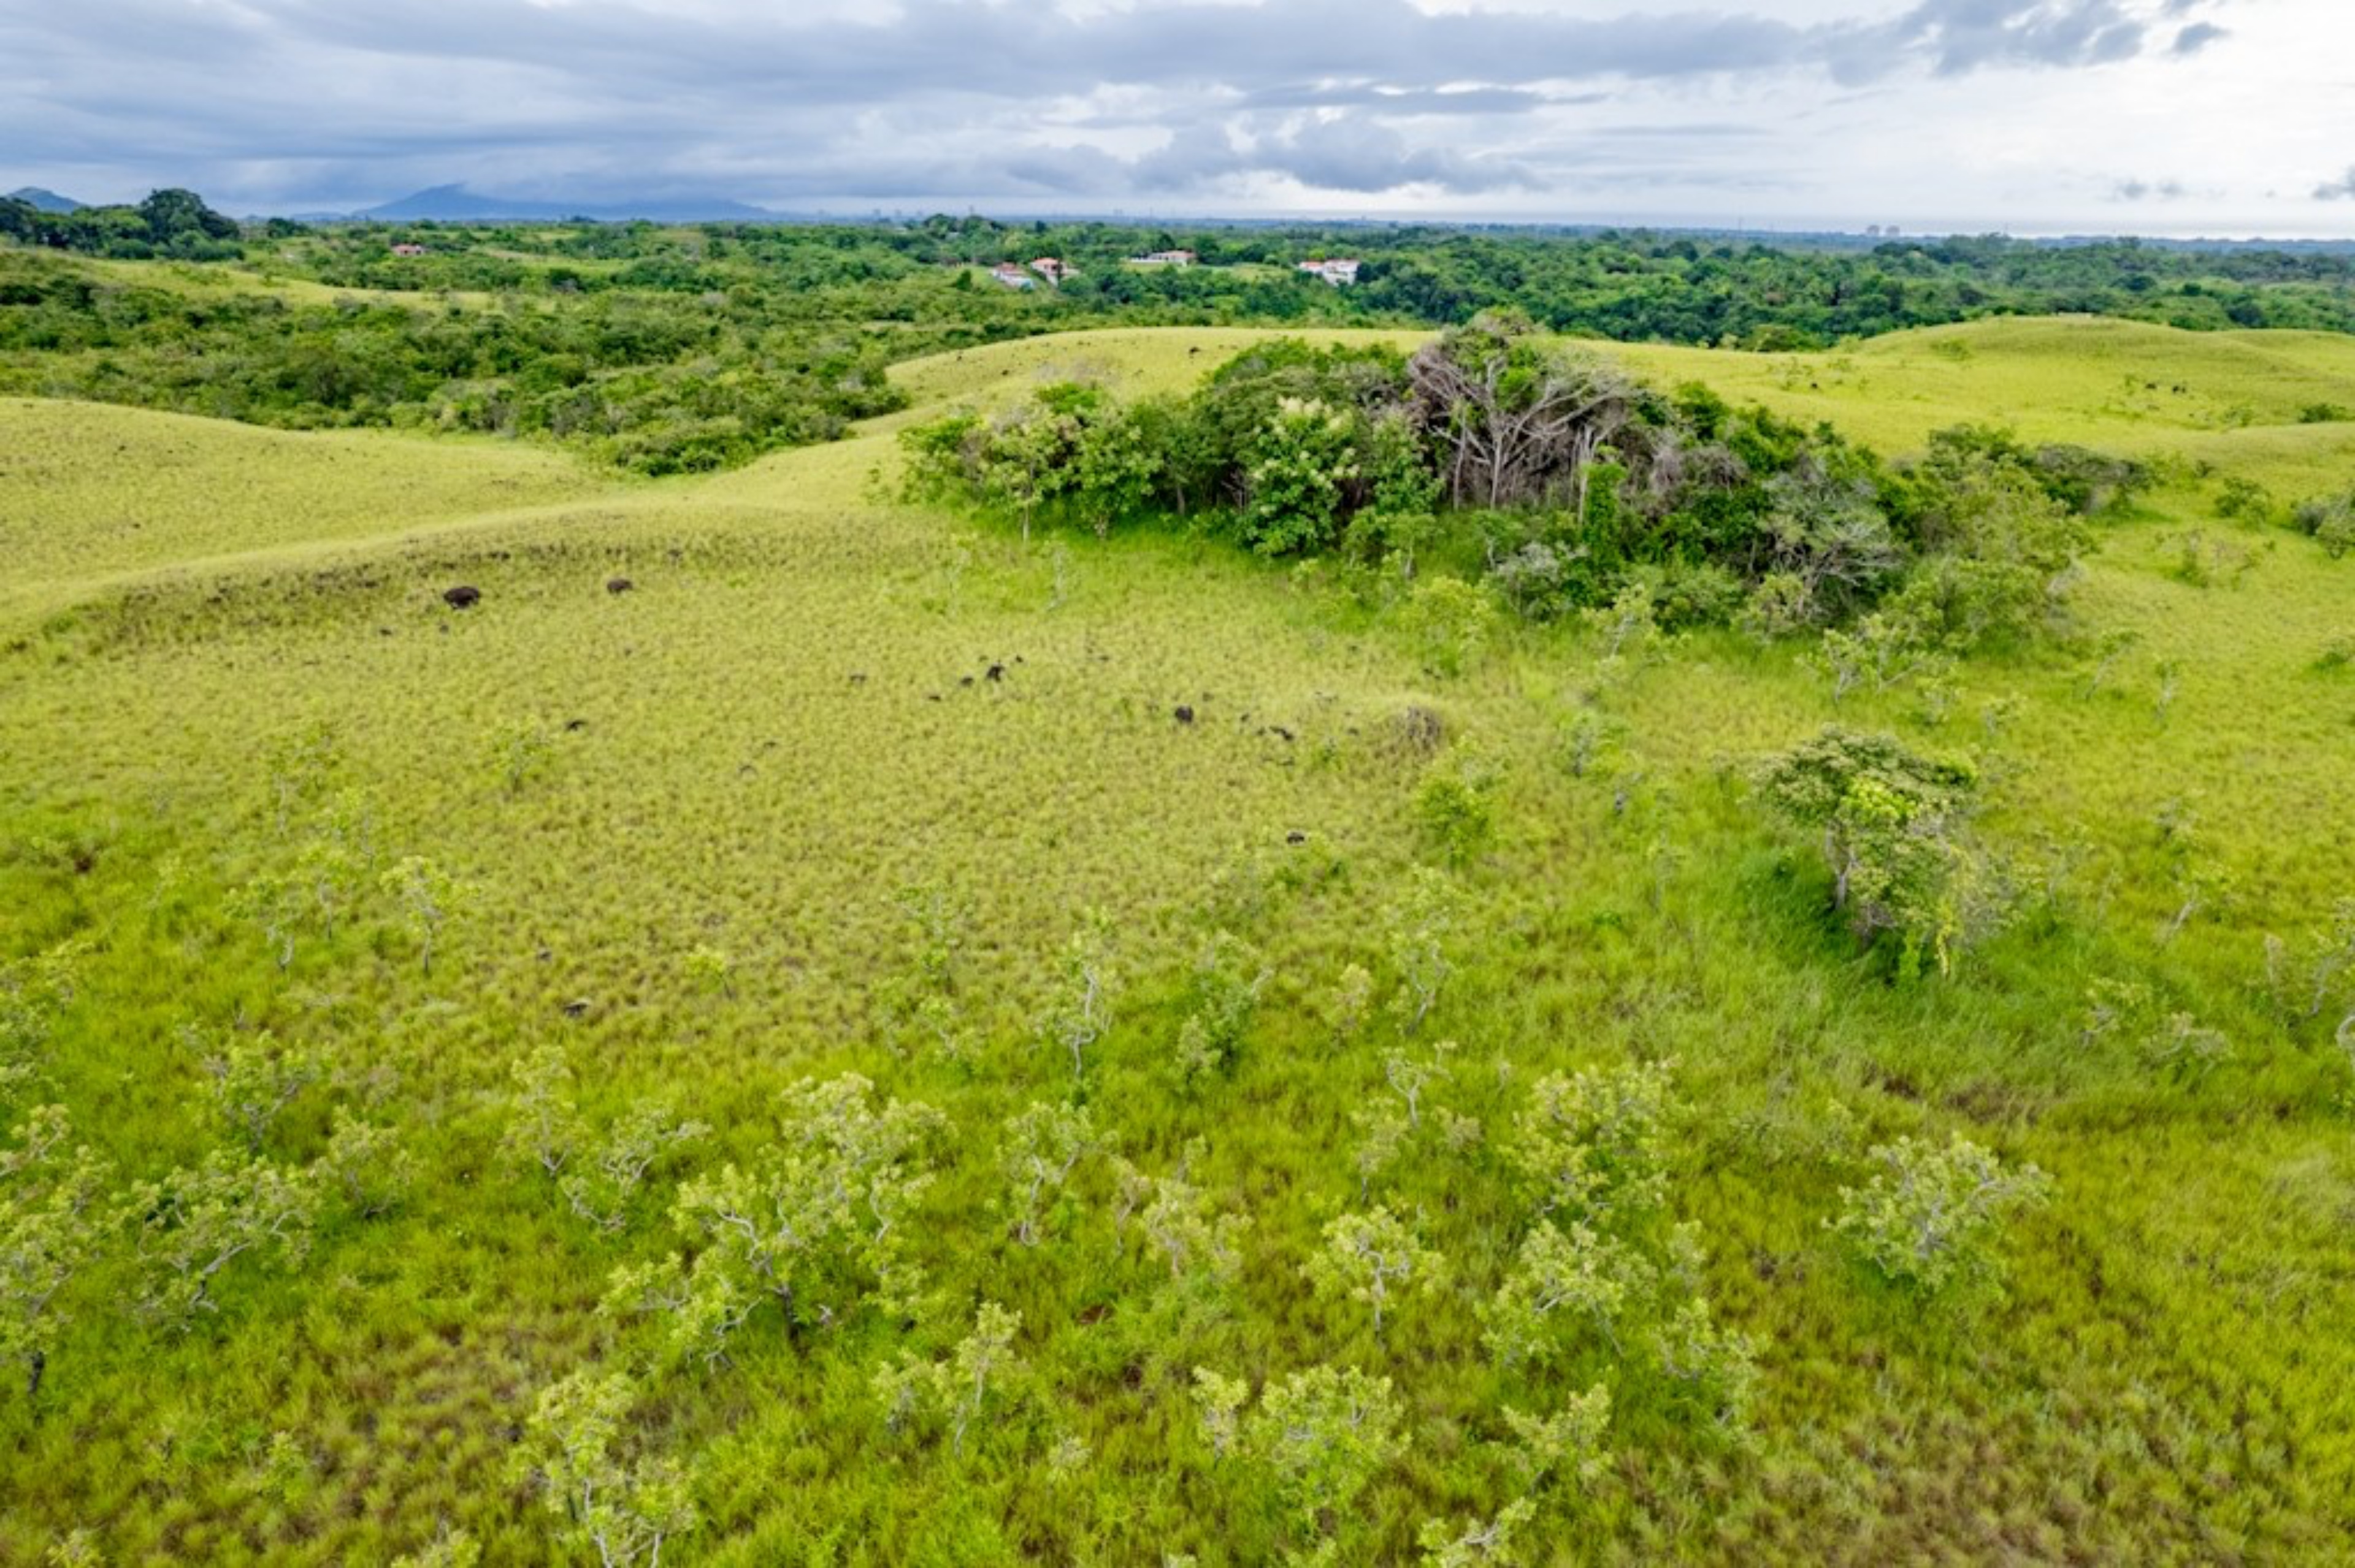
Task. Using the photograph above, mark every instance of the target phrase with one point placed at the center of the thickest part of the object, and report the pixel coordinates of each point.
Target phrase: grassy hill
(836, 784)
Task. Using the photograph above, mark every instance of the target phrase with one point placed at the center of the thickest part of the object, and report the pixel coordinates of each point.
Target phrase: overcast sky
(2151, 116)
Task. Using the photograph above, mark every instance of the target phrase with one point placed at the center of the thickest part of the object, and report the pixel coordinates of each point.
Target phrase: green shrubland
(1215, 1031)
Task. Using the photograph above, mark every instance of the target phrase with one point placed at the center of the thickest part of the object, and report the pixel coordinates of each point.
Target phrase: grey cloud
(2198, 37)
(2341, 189)
(947, 97)
(2149, 190)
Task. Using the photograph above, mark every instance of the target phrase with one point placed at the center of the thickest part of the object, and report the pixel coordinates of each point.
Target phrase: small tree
(1322, 1435)
(1448, 1545)
(253, 1080)
(1041, 1147)
(1370, 1257)
(1182, 1222)
(1228, 981)
(427, 898)
(542, 1127)
(1895, 837)
(1561, 1281)
(1568, 1443)
(1080, 1013)
(367, 1164)
(1930, 1218)
(1595, 1145)
(813, 1229)
(194, 1223)
(1419, 931)
(953, 1391)
(599, 1190)
(621, 1510)
(50, 1230)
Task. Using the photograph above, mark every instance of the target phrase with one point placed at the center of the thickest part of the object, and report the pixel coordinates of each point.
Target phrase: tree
(1568, 1443)
(1080, 1012)
(1321, 1436)
(1561, 1281)
(542, 1127)
(427, 898)
(367, 1164)
(1515, 417)
(1895, 836)
(193, 1224)
(599, 1190)
(50, 1230)
(1182, 1222)
(1369, 1257)
(1041, 1146)
(1930, 1217)
(253, 1080)
(813, 1229)
(1594, 1144)
(955, 1390)
(1227, 980)
(621, 1510)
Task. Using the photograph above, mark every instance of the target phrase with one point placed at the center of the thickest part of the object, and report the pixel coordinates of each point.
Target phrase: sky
(2160, 117)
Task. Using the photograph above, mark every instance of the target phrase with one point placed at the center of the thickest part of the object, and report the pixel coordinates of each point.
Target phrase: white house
(1336, 271)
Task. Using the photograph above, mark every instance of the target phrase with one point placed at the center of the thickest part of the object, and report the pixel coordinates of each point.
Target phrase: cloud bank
(1567, 109)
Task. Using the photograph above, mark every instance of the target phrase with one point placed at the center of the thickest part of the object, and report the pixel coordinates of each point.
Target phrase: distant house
(1163, 258)
(1012, 276)
(1337, 271)
(1054, 270)
(409, 249)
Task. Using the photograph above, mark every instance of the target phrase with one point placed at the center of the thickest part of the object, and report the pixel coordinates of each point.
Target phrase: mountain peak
(46, 201)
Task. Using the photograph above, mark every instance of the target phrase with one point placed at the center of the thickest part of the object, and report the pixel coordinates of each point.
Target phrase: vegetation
(1238, 1026)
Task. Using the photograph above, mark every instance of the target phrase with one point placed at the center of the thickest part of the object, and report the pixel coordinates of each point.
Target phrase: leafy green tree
(1228, 981)
(369, 1164)
(1041, 1147)
(427, 898)
(51, 1229)
(193, 1224)
(1931, 1217)
(1321, 1437)
(813, 1230)
(1594, 1144)
(624, 1510)
(1563, 1282)
(1371, 1258)
(1894, 828)
(252, 1081)
(602, 1187)
(954, 1391)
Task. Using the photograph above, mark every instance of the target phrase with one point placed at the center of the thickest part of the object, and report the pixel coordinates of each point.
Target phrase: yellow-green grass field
(692, 814)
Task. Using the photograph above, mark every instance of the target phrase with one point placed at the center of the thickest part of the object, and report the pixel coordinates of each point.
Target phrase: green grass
(789, 721)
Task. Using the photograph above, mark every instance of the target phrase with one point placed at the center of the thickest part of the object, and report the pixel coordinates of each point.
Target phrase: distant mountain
(46, 201)
(457, 204)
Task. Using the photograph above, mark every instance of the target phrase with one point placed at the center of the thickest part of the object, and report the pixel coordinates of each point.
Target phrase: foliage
(1930, 1218)
(1894, 828)
(623, 1511)
(50, 1231)
(814, 1229)
(1367, 1258)
(190, 1226)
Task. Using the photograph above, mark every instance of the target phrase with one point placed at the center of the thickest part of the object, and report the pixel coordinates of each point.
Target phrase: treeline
(174, 224)
(1548, 474)
(1630, 286)
(655, 382)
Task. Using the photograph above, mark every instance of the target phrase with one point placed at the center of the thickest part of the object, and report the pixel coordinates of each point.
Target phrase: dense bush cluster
(659, 383)
(1503, 454)
(174, 224)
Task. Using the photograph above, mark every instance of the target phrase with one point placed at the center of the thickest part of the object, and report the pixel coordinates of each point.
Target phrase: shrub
(1895, 835)
(1931, 1217)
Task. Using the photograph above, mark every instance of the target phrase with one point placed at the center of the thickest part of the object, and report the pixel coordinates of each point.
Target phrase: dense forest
(677, 350)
